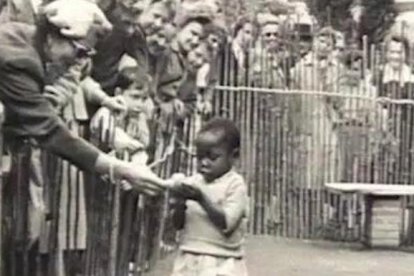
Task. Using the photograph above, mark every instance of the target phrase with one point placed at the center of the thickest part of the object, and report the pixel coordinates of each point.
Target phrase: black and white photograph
(206, 137)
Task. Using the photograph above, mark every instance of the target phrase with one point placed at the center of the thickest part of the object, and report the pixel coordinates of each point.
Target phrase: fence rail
(287, 161)
(299, 131)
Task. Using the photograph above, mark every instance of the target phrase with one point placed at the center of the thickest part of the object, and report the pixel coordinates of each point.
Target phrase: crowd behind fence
(309, 113)
(294, 140)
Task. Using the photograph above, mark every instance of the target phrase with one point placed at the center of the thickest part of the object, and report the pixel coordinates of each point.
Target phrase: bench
(382, 224)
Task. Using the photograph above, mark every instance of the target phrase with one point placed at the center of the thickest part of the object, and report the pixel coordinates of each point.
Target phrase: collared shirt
(401, 75)
(200, 235)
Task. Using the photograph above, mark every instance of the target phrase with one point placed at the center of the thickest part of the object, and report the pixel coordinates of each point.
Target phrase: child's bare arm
(215, 212)
(227, 215)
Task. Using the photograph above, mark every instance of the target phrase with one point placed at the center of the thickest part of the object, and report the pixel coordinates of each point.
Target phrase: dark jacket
(28, 113)
(110, 51)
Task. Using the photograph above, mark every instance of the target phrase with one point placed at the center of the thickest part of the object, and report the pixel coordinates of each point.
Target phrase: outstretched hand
(142, 179)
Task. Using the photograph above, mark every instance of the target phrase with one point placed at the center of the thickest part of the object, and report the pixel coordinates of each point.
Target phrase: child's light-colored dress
(206, 250)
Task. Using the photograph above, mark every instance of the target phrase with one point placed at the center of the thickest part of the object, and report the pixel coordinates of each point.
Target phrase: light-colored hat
(75, 18)
(189, 11)
(267, 18)
(279, 7)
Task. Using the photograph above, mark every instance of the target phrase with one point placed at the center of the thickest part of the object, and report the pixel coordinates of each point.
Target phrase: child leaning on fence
(213, 207)
(130, 130)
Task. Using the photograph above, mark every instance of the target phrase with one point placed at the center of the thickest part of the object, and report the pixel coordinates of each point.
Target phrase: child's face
(214, 158)
(135, 98)
(169, 91)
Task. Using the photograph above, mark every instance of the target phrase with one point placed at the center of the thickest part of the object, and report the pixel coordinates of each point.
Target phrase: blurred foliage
(378, 19)
(331, 12)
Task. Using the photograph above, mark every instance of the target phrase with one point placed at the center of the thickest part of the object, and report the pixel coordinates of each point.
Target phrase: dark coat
(28, 112)
(110, 51)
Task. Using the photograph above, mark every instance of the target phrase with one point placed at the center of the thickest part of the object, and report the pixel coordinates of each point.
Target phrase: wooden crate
(383, 225)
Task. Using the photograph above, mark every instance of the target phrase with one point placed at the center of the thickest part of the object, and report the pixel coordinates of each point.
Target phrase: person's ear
(235, 153)
(118, 91)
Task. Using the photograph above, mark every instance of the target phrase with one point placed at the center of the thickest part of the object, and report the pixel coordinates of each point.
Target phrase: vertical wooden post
(1, 188)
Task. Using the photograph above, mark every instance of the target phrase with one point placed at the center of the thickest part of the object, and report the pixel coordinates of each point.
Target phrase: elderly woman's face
(154, 18)
(189, 36)
(270, 36)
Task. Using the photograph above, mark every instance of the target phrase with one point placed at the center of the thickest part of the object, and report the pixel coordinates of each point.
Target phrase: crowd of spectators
(161, 62)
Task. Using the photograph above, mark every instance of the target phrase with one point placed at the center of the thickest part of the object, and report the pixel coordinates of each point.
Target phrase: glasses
(82, 50)
(271, 34)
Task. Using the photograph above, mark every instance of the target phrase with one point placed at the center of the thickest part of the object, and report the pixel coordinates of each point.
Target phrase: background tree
(378, 17)
(331, 12)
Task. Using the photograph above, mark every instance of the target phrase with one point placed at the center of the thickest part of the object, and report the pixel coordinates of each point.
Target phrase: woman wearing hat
(64, 32)
(131, 29)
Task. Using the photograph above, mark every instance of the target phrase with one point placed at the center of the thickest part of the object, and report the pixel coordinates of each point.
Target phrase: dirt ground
(270, 256)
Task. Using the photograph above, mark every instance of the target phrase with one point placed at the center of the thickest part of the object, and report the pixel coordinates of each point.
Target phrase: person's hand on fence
(122, 141)
(204, 107)
(115, 104)
(179, 108)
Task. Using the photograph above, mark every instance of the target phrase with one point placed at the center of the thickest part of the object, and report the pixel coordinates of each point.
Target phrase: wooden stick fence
(300, 130)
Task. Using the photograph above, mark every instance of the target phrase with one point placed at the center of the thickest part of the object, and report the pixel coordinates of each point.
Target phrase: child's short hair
(227, 128)
(133, 76)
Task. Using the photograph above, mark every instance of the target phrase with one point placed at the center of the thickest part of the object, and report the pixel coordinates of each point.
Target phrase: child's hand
(190, 192)
(175, 180)
(179, 108)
